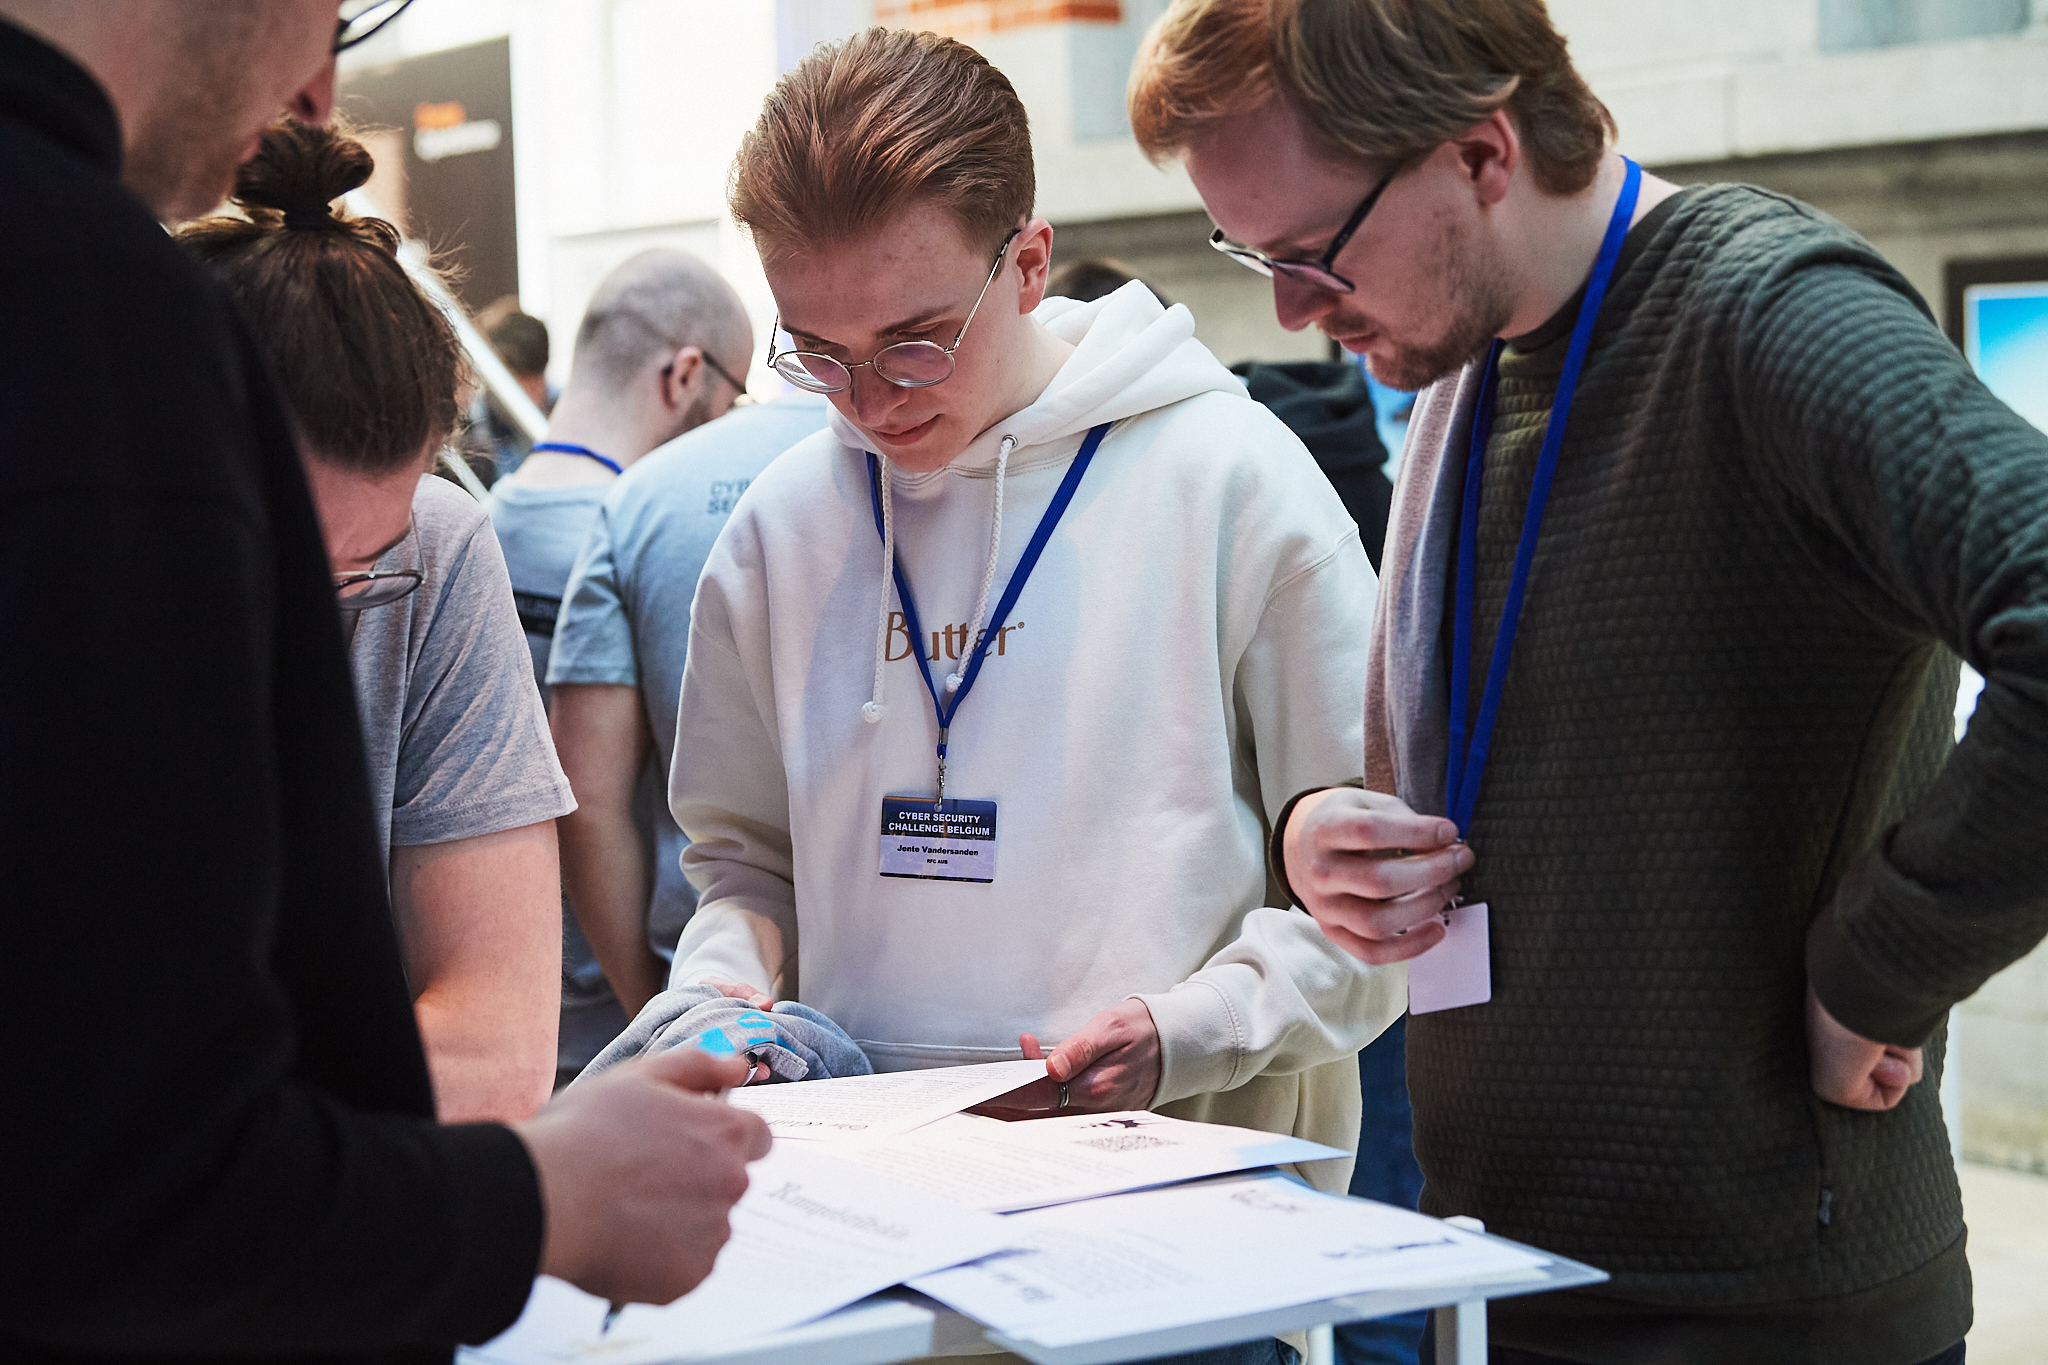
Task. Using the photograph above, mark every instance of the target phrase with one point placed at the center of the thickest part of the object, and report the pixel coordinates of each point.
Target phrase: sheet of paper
(810, 1235)
(1109, 1268)
(1002, 1167)
(880, 1106)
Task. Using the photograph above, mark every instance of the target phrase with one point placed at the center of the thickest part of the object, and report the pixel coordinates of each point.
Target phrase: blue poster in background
(2005, 335)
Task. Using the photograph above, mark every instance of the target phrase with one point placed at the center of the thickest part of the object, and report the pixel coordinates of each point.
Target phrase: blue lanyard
(1468, 754)
(1018, 577)
(567, 449)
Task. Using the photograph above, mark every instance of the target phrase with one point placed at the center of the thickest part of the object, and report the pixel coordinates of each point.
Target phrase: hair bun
(298, 170)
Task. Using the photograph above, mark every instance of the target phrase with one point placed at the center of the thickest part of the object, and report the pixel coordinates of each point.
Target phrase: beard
(1477, 304)
(697, 414)
(185, 147)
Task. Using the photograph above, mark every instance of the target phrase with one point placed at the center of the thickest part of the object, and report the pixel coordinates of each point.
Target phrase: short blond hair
(1382, 81)
(864, 128)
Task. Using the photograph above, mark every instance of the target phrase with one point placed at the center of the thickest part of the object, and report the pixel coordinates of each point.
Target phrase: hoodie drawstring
(988, 578)
(871, 711)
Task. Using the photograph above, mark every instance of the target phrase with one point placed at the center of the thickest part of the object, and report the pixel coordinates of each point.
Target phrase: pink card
(1457, 972)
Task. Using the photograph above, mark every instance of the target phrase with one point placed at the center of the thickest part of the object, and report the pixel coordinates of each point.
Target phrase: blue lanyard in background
(1468, 754)
(1018, 577)
(563, 447)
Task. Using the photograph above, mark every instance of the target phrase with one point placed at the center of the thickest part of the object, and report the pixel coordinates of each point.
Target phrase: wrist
(1283, 843)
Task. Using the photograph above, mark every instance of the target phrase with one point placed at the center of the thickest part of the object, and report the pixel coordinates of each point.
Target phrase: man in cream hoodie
(1126, 587)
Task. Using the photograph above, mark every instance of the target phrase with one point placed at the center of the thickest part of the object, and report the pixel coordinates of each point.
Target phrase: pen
(614, 1308)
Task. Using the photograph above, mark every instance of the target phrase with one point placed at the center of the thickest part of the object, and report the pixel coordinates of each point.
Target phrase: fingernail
(1464, 858)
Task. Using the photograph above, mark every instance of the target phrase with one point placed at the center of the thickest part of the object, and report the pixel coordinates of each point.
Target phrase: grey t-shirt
(626, 612)
(453, 729)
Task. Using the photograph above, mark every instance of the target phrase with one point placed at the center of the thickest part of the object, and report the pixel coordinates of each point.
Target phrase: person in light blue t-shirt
(657, 355)
(617, 668)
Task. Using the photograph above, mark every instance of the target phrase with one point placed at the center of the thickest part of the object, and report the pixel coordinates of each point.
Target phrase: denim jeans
(1264, 1351)
(1386, 1171)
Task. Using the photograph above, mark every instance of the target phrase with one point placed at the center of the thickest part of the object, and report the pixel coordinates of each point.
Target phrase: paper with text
(1001, 1167)
(879, 1106)
(1109, 1268)
(810, 1235)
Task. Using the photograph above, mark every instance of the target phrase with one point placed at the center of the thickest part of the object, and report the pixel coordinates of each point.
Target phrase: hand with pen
(639, 1167)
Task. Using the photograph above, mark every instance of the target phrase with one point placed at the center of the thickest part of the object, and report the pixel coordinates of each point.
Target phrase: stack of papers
(1108, 1268)
(1002, 1167)
(810, 1235)
(877, 1181)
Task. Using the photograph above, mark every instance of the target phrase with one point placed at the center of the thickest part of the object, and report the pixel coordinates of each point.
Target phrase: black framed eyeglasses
(375, 588)
(907, 364)
(1316, 272)
(361, 18)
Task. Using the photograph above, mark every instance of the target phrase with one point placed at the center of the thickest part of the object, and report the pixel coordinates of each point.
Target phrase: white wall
(628, 113)
(1691, 81)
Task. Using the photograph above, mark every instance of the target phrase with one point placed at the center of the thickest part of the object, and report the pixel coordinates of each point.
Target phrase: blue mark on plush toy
(750, 1030)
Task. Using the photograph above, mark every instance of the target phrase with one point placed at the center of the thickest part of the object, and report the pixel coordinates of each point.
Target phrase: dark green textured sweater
(1722, 769)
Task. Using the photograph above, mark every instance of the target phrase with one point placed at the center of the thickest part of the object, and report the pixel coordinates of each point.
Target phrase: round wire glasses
(907, 364)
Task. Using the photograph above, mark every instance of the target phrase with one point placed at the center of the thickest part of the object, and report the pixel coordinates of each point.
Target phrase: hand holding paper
(1112, 1064)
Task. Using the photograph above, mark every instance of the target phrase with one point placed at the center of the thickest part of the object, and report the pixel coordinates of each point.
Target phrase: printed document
(1002, 1167)
(1103, 1269)
(879, 1106)
(810, 1235)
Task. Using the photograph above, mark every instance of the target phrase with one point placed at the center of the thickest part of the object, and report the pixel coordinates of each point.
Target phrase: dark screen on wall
(450, 116)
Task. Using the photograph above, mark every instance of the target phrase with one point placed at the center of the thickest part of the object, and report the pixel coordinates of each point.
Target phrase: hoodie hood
(1130, 356)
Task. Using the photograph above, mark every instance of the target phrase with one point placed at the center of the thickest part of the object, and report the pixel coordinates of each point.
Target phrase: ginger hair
(864, 128)
(1379, 81)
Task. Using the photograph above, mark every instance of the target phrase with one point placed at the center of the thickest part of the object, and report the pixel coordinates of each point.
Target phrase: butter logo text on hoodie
(951, 642)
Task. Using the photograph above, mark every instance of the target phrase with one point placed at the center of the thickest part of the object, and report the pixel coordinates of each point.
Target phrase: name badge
(942, 841)
(1458, 971)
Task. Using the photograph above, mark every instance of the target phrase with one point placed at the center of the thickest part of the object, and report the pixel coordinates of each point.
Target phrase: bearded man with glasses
(1698, 510)
(645, 371)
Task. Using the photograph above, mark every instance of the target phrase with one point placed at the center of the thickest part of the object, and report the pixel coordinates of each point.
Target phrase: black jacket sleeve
(220, 1135)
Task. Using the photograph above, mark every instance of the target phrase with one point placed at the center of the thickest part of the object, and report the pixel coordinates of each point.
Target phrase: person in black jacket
(1329, 406)
(220, 1127)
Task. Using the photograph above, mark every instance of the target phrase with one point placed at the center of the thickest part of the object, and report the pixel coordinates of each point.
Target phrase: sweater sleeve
(1921, 485)
(1280, 997)
(727, 793)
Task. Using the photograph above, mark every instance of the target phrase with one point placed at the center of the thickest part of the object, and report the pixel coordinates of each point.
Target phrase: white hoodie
(1189, 653)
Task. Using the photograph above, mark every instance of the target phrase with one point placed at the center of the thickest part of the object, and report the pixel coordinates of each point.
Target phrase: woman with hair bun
(461, 767)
